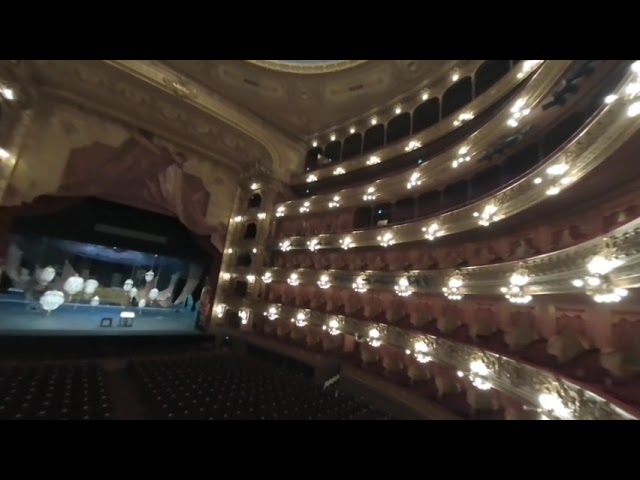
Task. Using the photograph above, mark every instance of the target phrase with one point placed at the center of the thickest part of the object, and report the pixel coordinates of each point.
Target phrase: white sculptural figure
(90, 286)
(51, 300)
(73, 285)
(47, 274)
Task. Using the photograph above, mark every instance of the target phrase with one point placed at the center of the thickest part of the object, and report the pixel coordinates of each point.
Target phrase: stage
(19, 317)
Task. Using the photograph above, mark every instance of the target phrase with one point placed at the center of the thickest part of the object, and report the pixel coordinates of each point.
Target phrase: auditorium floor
(125, 394)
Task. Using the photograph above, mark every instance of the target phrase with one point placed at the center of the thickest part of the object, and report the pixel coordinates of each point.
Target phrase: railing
(519, 379)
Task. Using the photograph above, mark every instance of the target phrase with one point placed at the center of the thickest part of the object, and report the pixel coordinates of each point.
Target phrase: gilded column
(16, 113)
(244, 254)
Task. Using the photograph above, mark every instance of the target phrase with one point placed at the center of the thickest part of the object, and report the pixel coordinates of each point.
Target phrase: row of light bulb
(333, 326)
(7, 93)
(518, 111)
(373, 160)
(240, 218)
(515, 292)
(596, 283)
(598, 265)
(480, 375)
(631, 93)
(555, 173)
(360, 284)
(424, 95)
(549, 404)
(387, 239)
(557, 178)
(489, 214)
(526, 68)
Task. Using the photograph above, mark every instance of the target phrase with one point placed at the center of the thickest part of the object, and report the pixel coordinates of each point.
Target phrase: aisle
(125, 394)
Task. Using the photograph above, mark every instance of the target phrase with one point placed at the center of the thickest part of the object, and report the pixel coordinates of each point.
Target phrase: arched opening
(428, 203)
(489, 73)
(455, 194)
(373, 138)
(333, 150)
(399, 127)
(382, 214)
(231, 318)
(250, 231)
(243, 260)
(311, 161)
(457, 96)
(362, 218)
(426, 114)
(352, 146)
(240, 288)
(404, 210)
(255, 200)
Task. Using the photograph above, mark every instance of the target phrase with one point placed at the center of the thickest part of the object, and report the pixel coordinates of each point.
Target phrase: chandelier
(553, 404)
(324, 281)
(402, 288)
(487, 216)
(313, 244)
(346, 243)
(421, 351)
(432, 231)
(516, 294)
(452, 291)
(604, 262)
(285, 246)
(374, 337)
(608, 294)
(520, 277)
(631, 92)
(597, 283)
(360, 284)
(479, 375)
(386, 239)
(300, 320)
(272, 313)
(333, 327)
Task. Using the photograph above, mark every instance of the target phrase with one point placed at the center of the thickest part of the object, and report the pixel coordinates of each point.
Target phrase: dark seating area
(235, 387)
(54, 392)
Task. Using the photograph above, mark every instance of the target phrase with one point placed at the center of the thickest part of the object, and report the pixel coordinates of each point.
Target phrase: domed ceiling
(299, 105)
(307, 66)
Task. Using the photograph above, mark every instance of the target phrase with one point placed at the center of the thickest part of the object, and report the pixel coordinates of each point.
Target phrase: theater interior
(319, 240)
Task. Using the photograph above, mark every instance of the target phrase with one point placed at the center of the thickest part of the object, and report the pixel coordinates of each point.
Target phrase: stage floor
(18, 317)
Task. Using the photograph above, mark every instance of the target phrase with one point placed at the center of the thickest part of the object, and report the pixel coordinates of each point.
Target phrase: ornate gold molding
(592, 146)
(289, 67)
(284, 152)
(514, 378)
(550, 273)
(537, 84)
